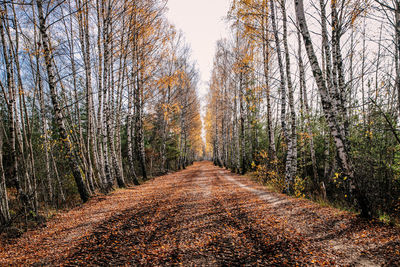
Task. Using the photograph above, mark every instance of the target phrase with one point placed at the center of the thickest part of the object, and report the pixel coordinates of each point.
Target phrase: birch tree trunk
(242, 137)
(112, 135)
(46, 144)
(330, 112)
(87, 166)
(337, 72)
(48, 55)
(100, 112)
(329, 109)
(4, 208)
(217, 160)
(139, 99)
(14, 177)
(92, 155)
(291, 159)
(130, 138)
(267, 57)
(106, 93)
(236, 155)
(281, 72)
(223, 125)
(303, 90)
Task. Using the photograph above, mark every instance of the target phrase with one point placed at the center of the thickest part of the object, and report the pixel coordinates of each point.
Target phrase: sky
(203, 23)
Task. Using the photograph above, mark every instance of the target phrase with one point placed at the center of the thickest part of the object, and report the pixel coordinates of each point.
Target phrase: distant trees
(337, 142)
(94, 94)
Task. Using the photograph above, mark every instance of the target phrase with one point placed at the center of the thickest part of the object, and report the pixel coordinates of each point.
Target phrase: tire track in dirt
(262, 194)
(328, 236)
(245, 243)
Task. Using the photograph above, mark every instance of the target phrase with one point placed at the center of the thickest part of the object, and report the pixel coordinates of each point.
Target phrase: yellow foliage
(299, 187)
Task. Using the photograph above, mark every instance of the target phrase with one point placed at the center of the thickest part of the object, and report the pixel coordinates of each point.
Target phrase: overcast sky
(203, 23)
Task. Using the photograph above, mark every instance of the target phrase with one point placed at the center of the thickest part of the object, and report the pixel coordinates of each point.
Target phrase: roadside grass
(382, 217)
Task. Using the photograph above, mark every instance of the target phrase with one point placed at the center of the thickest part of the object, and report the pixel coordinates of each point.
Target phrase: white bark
(330, 111)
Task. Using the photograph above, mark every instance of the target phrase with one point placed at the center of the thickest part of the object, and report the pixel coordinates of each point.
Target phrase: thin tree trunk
(281, 71)
(4, 208)
(48, 55)
(303, 88)
(130, 138)
(236, 155)
(291, 160)
(119, 175)
(139, 99)
(329, 109)
(92, 160)
(106, 95)
(267, 58)
(14, 177)
(100, 113)
(27, 132)
(45, 134)
(339, 95)
(242, 137)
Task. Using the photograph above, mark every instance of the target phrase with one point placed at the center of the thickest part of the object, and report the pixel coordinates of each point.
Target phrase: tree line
(94, 95)
(306, 94)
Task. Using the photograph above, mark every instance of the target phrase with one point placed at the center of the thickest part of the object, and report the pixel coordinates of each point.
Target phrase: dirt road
(205, 215)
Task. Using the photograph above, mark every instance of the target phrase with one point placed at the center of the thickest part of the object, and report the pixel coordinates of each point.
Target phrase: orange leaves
(249, 13)
(199, 216)
(175, 79)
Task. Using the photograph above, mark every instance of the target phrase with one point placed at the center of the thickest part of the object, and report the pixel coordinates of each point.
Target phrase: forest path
(204, 215)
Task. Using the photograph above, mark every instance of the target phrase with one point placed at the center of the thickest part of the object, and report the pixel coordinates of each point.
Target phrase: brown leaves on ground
(205, 216)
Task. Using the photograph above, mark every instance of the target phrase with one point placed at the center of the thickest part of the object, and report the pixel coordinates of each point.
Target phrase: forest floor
(204, 215)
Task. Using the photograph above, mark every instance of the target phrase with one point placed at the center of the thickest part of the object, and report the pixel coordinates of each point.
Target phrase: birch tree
(49, 61)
